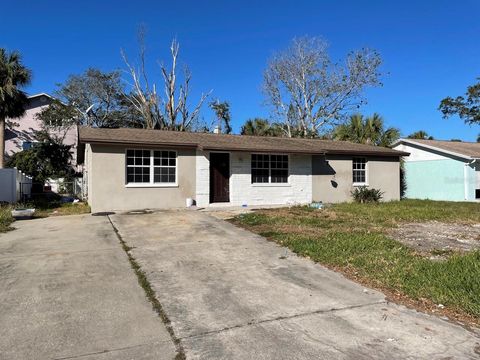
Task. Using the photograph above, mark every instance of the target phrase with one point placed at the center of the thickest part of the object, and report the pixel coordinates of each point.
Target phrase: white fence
(73, 187)
(15, 186)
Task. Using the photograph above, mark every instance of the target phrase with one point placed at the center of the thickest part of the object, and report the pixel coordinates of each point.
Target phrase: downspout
(465, 177)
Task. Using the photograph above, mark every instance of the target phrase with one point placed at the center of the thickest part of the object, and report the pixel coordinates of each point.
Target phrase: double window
(151, 167)
(268, 168)
(359, 171)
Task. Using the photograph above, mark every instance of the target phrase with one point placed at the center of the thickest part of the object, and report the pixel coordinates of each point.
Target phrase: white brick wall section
(202, 179)
(297, 191)
(243, 192)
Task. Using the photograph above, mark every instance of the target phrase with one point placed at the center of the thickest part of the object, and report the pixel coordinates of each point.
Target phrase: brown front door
(219, 177)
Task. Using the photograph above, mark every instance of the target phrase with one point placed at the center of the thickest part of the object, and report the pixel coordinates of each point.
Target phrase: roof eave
(133, 142)
(260, 150)
(436, 148)
(371, 153)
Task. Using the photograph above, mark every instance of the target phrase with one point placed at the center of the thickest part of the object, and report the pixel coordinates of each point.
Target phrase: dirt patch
(228, 213)
(438, 238)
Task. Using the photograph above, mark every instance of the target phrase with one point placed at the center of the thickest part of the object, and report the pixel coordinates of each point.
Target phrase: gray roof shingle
(209, 141)
(468, 149)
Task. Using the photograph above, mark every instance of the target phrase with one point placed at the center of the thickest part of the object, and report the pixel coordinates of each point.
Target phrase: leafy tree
(368, 130)
(262, 127)
(466, 107)
(257, 127)
(13, 76)
(420, 134)
(309, 93)
(93, 98)
(49, 158)
(222, 112)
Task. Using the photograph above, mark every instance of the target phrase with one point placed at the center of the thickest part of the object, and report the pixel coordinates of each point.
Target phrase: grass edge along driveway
(42, 210)
(353, 239)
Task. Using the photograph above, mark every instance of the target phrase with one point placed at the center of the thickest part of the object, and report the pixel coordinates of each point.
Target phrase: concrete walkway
(233, 295)
(67, 291)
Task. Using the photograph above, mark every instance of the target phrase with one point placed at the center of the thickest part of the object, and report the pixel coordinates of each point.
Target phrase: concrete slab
(232, 294)
(67, 291)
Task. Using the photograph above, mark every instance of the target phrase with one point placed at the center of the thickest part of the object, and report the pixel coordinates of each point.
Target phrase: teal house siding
(471, 183)
(438, 180)
(441, 170)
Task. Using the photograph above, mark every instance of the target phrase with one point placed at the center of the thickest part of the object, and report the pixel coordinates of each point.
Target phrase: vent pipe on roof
(216, 130)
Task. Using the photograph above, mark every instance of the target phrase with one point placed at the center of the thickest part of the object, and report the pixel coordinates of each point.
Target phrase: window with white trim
(268, 168)
(151, 166)
(164, 166)
(26, 145)
(359, 170)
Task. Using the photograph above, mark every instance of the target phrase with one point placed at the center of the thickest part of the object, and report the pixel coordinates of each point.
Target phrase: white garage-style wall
(298, 190)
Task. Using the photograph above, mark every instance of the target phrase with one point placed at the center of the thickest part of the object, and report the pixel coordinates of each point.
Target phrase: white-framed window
(26, 145)
(269, 168)
(359, 170)
(154, 167)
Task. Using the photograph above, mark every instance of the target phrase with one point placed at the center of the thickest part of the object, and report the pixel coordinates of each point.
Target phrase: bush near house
(353, 239)
(363, 194)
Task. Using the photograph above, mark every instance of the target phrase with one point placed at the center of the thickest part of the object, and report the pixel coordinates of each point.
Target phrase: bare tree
(170, 112)
(309, 93)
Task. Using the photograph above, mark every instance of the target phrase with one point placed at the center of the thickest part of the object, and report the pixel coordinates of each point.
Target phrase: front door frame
(210, 200)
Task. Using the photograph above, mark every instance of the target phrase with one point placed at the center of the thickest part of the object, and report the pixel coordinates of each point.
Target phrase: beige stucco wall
(332, 181)
(107, 190)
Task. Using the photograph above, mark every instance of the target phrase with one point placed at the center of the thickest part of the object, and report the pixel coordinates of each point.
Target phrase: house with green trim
(441, 170)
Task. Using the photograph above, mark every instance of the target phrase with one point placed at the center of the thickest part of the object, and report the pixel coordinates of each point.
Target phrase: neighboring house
(22, 136)
(130, 169)
(441, 170)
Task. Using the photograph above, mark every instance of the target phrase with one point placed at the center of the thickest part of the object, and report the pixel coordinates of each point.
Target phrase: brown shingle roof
(467, 149)
(209, 141)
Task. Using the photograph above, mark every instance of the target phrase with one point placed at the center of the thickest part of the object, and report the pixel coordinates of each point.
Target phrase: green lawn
(352, 238)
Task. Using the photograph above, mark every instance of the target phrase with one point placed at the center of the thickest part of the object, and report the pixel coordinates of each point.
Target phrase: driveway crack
(150, 293)
(280, 318)
(103, 351)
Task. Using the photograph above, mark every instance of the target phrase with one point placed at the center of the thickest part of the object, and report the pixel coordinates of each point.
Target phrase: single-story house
(441, 170)
(128, 169)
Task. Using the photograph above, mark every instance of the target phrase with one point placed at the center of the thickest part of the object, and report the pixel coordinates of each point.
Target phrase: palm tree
(222, 112)
(13, 76)
(257, 127)
(368, 130)
(420, 134)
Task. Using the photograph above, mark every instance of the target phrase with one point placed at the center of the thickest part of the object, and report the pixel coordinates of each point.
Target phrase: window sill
(271, 185)
(359, 184)
(151, 185)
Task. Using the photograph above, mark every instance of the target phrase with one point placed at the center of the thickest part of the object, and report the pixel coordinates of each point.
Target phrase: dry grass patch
(354, 239)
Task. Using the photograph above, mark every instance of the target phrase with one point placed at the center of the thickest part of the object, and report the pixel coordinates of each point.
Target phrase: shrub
(363, 194)
(5, 217)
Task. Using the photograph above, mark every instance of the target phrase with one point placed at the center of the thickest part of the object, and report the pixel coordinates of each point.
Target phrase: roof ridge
(446, 141)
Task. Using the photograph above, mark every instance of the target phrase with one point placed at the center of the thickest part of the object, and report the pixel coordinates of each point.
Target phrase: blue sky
(430, 48)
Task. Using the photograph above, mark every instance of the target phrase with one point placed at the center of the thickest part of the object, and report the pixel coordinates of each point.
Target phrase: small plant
(363, 194)
(5, 218)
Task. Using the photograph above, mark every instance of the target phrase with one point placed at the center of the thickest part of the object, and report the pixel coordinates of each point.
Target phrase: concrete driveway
(67, 291)
(231, 294)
